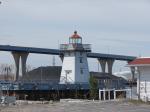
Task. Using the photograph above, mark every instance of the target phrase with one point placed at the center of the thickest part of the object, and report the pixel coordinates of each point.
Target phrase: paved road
(116, 106)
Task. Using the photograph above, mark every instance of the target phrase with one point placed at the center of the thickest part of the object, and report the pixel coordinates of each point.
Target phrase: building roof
(100, 75)
(44, 73)
(140, 62)
(75, 35)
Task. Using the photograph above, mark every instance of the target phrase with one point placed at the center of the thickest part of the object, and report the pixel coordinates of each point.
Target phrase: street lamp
(41, 74)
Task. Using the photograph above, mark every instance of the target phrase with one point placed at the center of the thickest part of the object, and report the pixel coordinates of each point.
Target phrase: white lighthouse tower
(75, 66)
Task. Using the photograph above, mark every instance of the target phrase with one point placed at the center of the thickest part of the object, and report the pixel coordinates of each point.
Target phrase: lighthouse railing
(86, 47)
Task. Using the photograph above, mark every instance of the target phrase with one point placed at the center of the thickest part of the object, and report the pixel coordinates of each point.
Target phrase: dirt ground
(78, 106)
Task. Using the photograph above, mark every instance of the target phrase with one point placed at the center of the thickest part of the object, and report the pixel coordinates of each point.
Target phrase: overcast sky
(111, 26)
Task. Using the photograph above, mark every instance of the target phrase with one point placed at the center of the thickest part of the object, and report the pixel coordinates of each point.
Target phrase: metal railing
(86, 47)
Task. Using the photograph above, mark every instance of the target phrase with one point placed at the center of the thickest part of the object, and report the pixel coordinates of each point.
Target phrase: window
(81, 60)
(81, 70)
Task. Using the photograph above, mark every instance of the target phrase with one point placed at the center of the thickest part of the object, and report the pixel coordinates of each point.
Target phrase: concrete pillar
(130, 93)
(104, 94)
(17, 59)
(110, 65)
(23, 62)
(114, 94)
(103, 64)
(100, 97)
(108, 94)
(138, 83)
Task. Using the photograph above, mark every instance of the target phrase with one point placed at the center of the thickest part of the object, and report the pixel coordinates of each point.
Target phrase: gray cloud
(42, 23)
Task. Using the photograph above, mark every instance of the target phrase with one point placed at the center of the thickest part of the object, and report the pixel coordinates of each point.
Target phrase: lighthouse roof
(75, 35)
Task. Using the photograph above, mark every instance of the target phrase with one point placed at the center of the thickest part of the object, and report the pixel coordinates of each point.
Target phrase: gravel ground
(81, 106)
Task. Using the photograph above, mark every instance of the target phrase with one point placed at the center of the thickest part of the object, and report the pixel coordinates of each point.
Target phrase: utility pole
(139, 83)
(98, 66)
(41, 73)
(54, 63)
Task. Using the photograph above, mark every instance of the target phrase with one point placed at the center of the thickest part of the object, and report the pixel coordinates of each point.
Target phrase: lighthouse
(75, 66)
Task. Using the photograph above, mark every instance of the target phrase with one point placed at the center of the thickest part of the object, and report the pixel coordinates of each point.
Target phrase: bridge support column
(61, 57)
(17, 60)
(17, 56)
(103, 65)
(23, 62)
(110, 63)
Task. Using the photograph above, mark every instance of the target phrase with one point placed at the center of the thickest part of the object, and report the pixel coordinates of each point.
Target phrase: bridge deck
(111, 56)
(59, 52)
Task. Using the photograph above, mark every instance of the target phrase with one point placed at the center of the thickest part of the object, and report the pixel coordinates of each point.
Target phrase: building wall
(68, 64)
(77, 63)
(144, 82)
(82, 69)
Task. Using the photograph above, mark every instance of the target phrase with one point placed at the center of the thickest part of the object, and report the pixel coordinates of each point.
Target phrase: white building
(142, 65)
(75, 66)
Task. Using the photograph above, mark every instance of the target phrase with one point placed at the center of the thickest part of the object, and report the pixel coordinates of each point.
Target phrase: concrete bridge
(21, 53)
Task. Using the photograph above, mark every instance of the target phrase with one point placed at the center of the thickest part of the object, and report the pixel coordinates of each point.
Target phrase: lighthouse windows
(81, 60)
(81, 70)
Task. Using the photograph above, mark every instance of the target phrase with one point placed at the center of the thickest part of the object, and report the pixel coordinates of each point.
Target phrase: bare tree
(6, 72)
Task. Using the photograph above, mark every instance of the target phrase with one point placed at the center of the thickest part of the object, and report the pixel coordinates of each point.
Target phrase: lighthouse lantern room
(75, 66)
